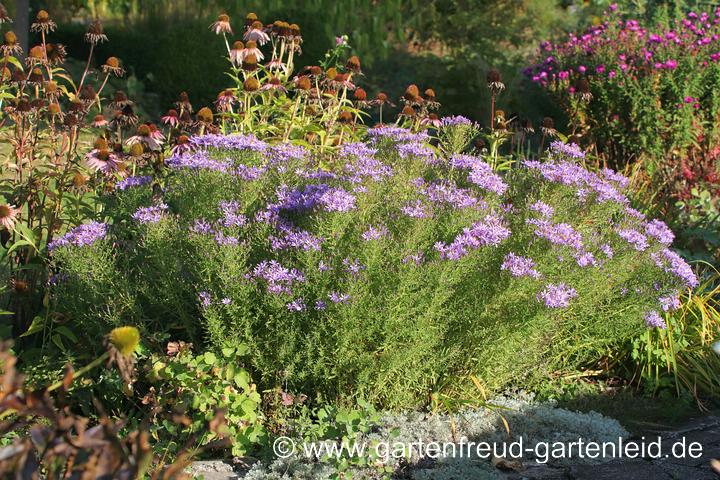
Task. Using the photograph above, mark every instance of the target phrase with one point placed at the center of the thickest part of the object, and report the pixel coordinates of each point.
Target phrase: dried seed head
(408, 111)
(143, 130)
(303, 83)
(36, 76)
(183, 140)
(316, 71)
(42, 16)
(54, 108)
(18, 76)
(331, 73)
(430, 94)
(251, 44)
(79, 180)
(100, 144)
(94, 33)
(23, 105)
(493, 76)
(37, 103)
(353, 64)
(249, 63)
(251, 84)
(87, 93)
(205, 115)
(257, 24)
(238, 45)
(113, 62)
(4, 17)
(19, 286)
(345, 117)
(51, 87)
(381, 97)
(250, 18)
(36, 54)
(136, 149)
(582, 86)
(412, 93)
(10, 38)
(360, 94)
(548, 123)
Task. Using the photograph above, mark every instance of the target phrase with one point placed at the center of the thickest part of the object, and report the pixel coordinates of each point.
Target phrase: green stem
(81, 372)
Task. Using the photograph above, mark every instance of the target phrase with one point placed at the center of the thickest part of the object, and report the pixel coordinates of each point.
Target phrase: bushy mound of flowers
(637, 88)
(386, 270)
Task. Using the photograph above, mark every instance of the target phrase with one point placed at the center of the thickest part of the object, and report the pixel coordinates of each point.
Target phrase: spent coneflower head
(345, 117)
(10, 46)
(8, 214)
(37, 103)
(4, 17)
(303, 83)
(120, 100)
(36, 76)
(170, 118)
(494, 82)
(145, 135)
(125, 116)
(102, 161)
(99, 121)
(548, 127)
(183, 102)
(582, 88)
(54, 109)
(182, 145)
(18, 77)
(19, 286)
(36, 55)
(431, 99)
(79, 180)
(526, 125)
(87, 94)
(43, 23)
(274, 85)
(225, 100)
(251, 84)
(353, 64)
(250, 18)
(100, 144)
(221, 25)
(237, 53)
(22, 106)
(381, 99)
(256, 32)
(205, 115)
(94, 33)
(407, 111)
(55, 53)
(112, 65)
(432, 120)
(249, 63)
(412, 95)
(360, 94)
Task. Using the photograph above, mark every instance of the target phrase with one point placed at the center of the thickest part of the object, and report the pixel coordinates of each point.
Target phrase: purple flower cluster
(672, 263)
(556, 296)
(415, 210)
(229, 142)
(519, 266)
(81, 236)
(147, 215)
(455, 121)
(396, 134)
(375, 233)
(199, 160)
(279, 279)
(653, 320)
(490, 231)
(557, 233)
(445, 192)
(634, 238)
(418, 150)
(295, 238)
(131, 182)
(568, 150)
(481, 174)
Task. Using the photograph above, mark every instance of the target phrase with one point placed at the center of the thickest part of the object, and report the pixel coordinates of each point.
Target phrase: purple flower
(296, 239)
(653, 319)
(226, 301)
(607, 250)
(279, 279)
(543, 209)
(201, 227)
(222, 239)
(519, 266)
(490, 231)
(634, 238)
(133, 182)
(416, 210)
(375, 233)
(671, 262)
(556, 296)
(459, 160)
(557, 233)
(81, 236)
(455, 121)
(585, 259)
(483, 176)
(147, 215)
(569, 150)
(296, 305)
(336, 297)
(354, 267)
(416, 258)
(205, 299)
(419, 150)
(660, 231)
(320, 305)
(670, 302)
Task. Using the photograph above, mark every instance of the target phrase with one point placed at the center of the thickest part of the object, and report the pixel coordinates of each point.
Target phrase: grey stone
(635, 470)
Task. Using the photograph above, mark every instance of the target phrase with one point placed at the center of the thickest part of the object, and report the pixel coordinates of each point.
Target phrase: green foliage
(187, 390)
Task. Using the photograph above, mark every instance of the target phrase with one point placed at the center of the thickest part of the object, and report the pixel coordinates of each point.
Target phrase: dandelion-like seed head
(125, 339)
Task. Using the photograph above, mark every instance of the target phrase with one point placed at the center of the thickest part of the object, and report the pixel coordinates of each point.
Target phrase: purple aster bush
(343, 274)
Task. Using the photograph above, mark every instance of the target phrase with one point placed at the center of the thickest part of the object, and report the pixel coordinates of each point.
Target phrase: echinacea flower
(8, 214)
(256, 33)
(170, 118)
(101, 160)
(494, 82)
(146, 136)
(94, 34)
(182, 145)
(221, 25)
(10, 46)
(274, 84)
(112, 65)
(43, 23)
(4, 17)
(99, 121)
(225, 100)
